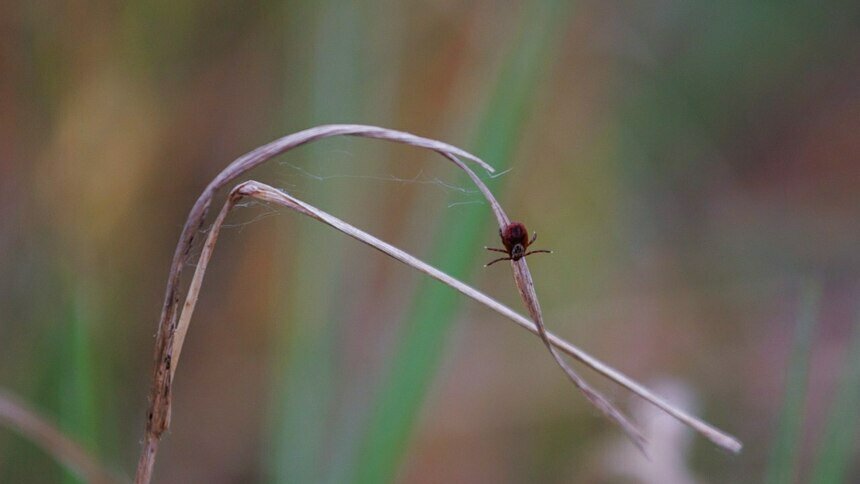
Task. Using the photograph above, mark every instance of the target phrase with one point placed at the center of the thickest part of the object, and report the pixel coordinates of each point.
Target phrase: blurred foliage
(688, 162)
(834, 460)
(435, 306)
(784, 459)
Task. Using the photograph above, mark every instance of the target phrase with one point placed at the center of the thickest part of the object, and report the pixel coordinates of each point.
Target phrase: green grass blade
(837, 447)
(783, 463)
(417, 356)
(305, 380)
(77, 389)
(67, 390)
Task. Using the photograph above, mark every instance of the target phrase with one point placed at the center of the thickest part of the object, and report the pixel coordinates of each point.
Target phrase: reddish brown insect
(515, 238)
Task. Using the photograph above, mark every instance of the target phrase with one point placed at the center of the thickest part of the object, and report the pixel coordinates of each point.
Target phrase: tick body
(515, 238)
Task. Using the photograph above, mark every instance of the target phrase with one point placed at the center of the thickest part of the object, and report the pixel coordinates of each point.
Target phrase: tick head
(518, 251)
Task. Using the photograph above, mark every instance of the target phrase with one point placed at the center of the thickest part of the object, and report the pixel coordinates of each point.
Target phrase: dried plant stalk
(267, 193)
(16, 415)
(171, 335)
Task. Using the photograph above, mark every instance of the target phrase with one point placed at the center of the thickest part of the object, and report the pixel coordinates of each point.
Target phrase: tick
(515, 238)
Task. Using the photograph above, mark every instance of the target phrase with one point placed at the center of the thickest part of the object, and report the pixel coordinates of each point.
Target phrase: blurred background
(695, 167)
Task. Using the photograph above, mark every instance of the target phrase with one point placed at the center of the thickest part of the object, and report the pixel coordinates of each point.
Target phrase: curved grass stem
(172, 332)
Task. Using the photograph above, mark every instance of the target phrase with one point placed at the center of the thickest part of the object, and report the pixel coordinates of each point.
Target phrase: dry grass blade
(266, 193)
(171, 333)
(197, 281)
(158, 417)
(525, 285)
(17, 416)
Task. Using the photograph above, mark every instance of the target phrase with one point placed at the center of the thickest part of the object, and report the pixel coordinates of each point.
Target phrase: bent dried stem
(523, 279)
(158, 416)
(525, 285)
(16, 415)
(266, 193)
(269, 194)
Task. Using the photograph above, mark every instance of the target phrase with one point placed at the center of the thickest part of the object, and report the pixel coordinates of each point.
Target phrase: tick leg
(503, 251)
(534, 237)
(537, 252)
(497, 260)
